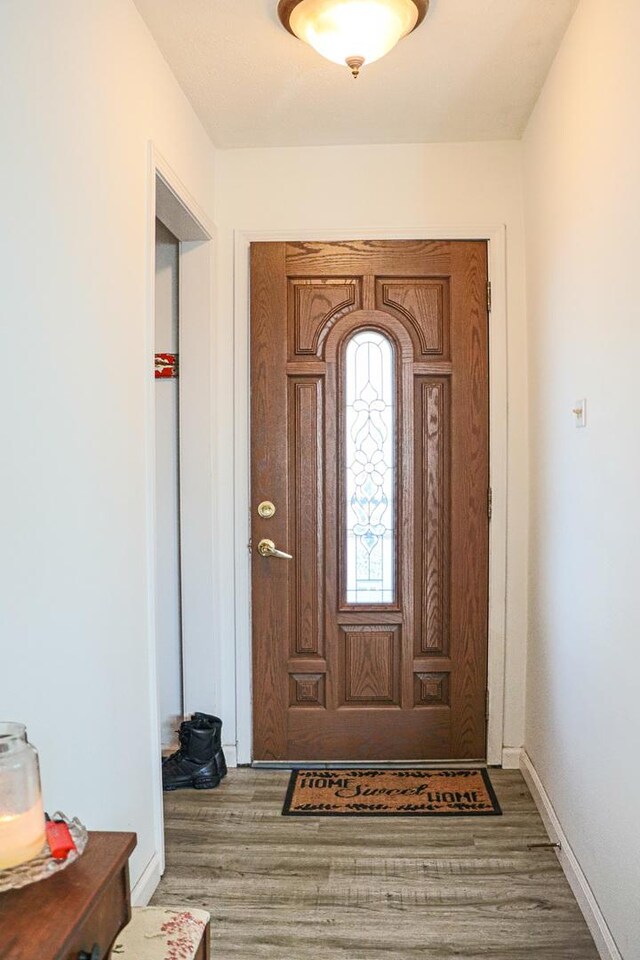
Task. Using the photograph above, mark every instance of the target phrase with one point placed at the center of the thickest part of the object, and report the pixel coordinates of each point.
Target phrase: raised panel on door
(422, 304)
(306, 499)
(370, 389)
(314, 305)
(369, 673)
(432, 516)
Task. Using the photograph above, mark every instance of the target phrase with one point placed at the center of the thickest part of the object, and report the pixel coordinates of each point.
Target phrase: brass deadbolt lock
(266, 510)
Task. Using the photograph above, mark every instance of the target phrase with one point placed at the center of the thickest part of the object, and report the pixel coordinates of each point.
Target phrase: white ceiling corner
(472, 71)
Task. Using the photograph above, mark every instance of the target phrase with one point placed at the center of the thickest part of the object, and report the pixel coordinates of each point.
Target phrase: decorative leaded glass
(370, 467)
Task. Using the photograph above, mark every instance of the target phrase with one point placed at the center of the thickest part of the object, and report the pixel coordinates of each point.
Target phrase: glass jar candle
(22, 830)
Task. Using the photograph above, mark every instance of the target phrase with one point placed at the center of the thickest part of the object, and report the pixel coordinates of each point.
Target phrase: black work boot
(220, 762)
(197, 762)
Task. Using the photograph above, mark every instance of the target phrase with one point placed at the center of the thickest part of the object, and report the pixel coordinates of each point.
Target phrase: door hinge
(489, 502)
(489, 296)
(486, 705)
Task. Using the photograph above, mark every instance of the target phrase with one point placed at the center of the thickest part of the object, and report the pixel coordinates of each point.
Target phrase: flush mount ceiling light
(355, 32)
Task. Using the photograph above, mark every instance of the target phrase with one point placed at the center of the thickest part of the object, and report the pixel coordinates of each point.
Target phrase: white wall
(582, 151)
(82, 90)
(386, 187)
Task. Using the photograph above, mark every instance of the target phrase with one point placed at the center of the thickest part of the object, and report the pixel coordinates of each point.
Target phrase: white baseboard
(230, 754)
(511, 758)
(144, 887)
(574, 873)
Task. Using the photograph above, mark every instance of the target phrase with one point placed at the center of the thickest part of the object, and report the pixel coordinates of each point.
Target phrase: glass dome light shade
(341, 30)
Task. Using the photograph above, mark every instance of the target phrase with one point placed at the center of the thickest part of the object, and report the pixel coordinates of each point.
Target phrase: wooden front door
(369, 406)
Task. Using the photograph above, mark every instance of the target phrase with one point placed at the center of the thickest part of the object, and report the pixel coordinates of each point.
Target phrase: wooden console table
(76, 914)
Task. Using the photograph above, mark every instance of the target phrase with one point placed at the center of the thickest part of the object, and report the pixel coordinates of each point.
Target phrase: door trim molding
(171, 201)
(495, 235)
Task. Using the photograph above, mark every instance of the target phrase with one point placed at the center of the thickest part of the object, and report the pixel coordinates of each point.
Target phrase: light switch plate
(580, 413)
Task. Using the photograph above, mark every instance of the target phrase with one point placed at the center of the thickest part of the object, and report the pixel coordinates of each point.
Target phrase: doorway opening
(184, 672)
(168, 560)
(183, 498)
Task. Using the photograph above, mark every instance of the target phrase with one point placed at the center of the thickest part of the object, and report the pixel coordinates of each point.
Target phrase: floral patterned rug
(392, 792)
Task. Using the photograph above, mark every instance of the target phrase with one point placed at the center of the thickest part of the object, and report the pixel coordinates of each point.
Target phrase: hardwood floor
(283, 888)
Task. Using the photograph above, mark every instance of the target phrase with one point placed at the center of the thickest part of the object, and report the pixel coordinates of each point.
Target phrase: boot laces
(182, 749)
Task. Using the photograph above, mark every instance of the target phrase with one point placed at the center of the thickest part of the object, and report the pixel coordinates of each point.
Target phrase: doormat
(393, 792)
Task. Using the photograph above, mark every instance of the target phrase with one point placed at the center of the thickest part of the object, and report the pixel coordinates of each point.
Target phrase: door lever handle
(267, 548)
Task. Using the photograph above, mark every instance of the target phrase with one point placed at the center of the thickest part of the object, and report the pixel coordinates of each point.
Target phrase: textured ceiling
(472, 71)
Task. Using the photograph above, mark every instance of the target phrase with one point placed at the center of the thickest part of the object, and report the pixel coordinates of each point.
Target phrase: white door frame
(170, 201)
(495, 235)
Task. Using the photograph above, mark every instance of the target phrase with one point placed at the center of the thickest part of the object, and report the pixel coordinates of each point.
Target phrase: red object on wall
(166, 366)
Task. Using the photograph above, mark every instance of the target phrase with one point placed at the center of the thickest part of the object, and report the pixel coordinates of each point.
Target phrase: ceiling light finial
(355, 63)
(355, 32)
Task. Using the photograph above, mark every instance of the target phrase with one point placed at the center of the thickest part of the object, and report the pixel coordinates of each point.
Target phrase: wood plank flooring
(283, 888)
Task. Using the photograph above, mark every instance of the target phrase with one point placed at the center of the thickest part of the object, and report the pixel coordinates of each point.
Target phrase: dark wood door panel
(394, 668)
(370, 258)
(306, 521)
(270, 607)
(469, 498)
(385, 733)
(423, 305)
(432, 499)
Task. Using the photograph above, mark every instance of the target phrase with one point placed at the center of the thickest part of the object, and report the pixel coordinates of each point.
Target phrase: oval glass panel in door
(370, 415)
